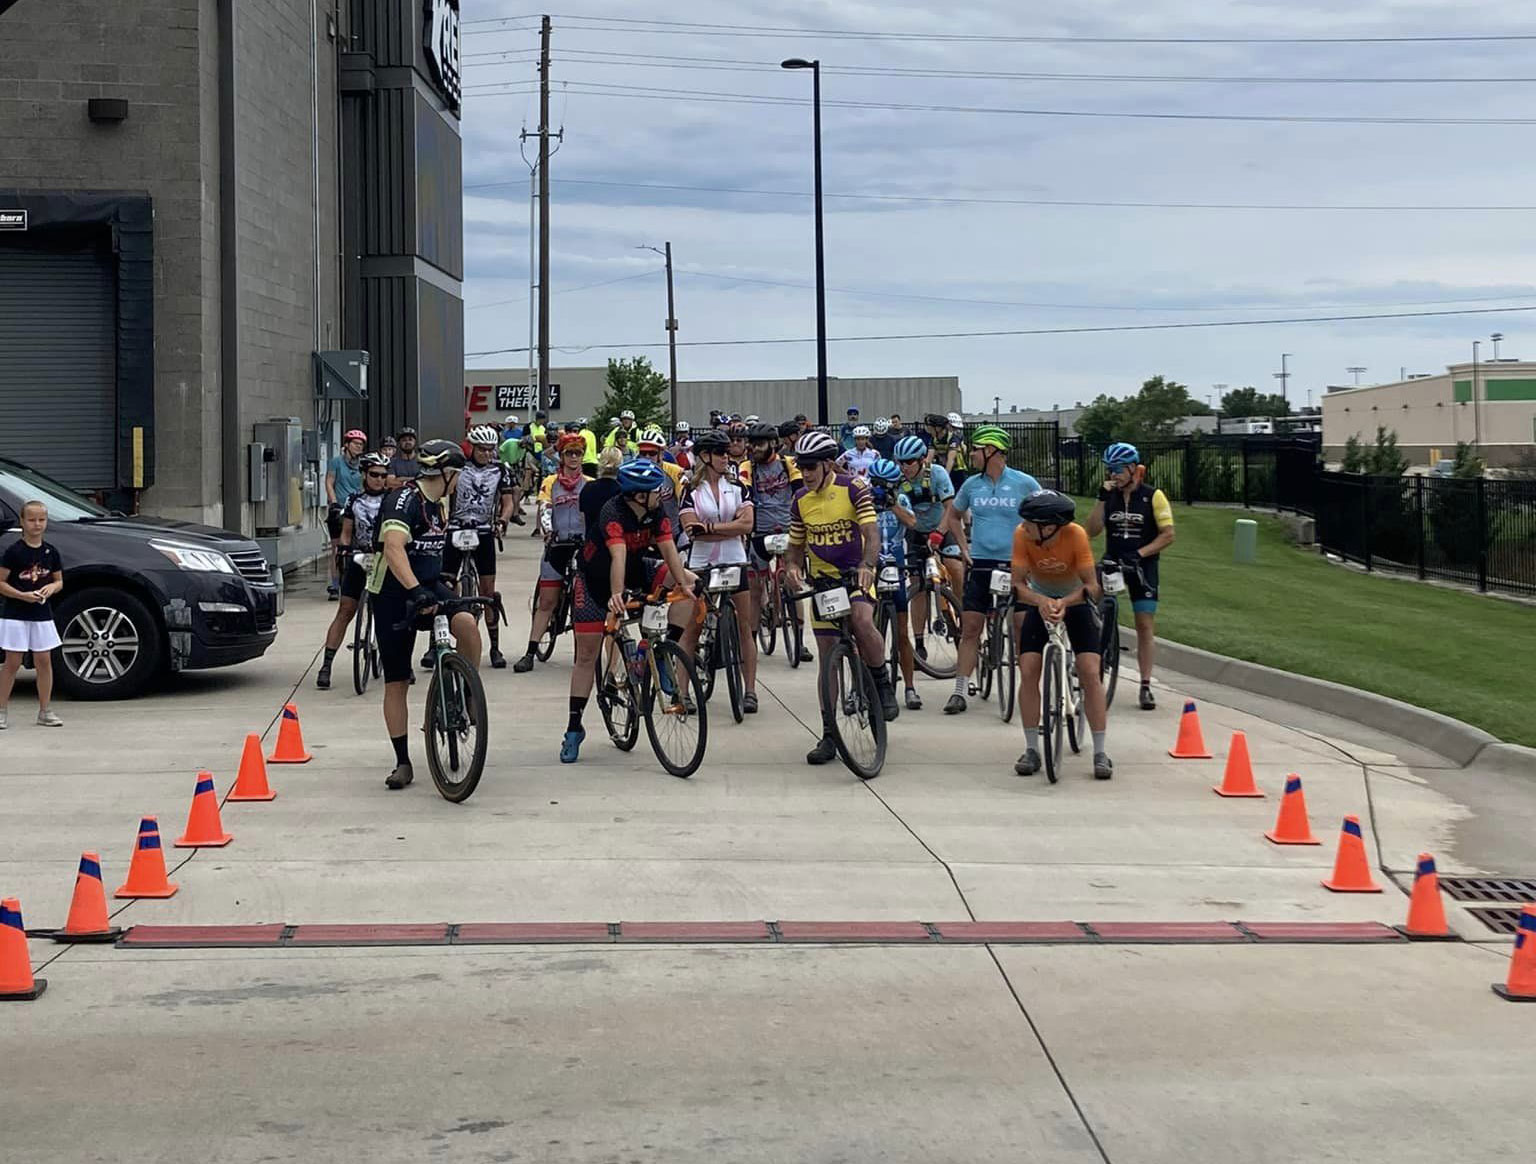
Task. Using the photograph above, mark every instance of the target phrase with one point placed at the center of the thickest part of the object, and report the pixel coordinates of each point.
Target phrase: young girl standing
(31, 573)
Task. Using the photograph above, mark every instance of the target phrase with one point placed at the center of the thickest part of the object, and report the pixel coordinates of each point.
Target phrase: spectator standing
(31, 573)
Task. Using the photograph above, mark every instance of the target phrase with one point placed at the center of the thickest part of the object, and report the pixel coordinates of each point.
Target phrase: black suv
(142, 595)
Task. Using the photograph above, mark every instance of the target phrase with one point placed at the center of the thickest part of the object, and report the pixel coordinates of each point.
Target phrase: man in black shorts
(407, 586)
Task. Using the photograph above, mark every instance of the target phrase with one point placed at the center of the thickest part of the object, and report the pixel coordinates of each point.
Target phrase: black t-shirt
(425, 524)
(31, 568)
(403, 467)
(595, 495)
(618, 525)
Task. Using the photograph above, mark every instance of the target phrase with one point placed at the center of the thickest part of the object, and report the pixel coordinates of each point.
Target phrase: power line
(1126, 327)
(583, 287)
(599, 89)
(965, 201)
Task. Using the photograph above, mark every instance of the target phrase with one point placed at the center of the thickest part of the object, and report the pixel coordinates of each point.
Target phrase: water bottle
(635, 654)
(932, 569)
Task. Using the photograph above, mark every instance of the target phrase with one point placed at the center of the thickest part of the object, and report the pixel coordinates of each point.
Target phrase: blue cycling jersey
(994, 510)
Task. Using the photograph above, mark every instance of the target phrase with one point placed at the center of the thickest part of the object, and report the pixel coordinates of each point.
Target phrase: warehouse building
(199, 198)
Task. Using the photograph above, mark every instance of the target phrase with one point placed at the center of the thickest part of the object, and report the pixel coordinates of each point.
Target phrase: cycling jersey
(596, 494)
(927, 494)
(716, 503)
(773, 492)
(363, 509)
(1054, 568)
(893, 535)
(830, 522)
(858, 461)
(512, 451)
(617, 525)
(994, 510)
(478, 492)
(1129, 525)
(562, 500)
(425, 526)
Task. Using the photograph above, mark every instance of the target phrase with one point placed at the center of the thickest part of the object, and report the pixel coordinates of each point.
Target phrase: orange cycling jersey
(1055, 568)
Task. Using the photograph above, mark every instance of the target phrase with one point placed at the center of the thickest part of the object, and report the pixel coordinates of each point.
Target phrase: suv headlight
(193, 558)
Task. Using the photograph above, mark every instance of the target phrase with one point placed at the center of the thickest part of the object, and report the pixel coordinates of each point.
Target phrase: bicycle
(365, 645)
(467, 584)
(560, 617)
(719, 645)
(887, 586)
(998, 656)
(1062, 710)
(939, 628)
(641, 675)
(778, 613)
(1113, 583)
(845, 689)
(455, 719)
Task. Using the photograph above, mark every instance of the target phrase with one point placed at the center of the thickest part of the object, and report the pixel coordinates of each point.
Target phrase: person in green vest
(588, 458)
(511, 453)
(624, 435)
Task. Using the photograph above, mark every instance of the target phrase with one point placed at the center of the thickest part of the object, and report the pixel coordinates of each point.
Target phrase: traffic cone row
(88, 919)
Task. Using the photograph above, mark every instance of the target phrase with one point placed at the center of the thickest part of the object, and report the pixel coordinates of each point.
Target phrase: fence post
(1482, 534)
(1244, 447)
(1365, 519)
(1191, 472)
(1418, 511)
(1082, 472)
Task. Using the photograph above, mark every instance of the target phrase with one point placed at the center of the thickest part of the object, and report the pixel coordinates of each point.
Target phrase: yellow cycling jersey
(830, 523)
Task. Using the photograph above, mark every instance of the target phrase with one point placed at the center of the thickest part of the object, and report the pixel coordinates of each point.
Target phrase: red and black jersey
(618, 525)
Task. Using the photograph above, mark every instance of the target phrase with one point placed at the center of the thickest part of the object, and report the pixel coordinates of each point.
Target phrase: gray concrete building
(196, 198)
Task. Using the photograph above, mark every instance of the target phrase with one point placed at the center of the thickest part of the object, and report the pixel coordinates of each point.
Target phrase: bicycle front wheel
(986, 657)
(676, 717)
(706, 656)
(545, 647)
(939, 632)
(1052, 706)
(730, 654)
(1007, 665)
(1109, 650)
(1077, 710)
(616, 697)
(858, 720)
(794, 629)
(767, 620)
(362, 656)
(457, 727)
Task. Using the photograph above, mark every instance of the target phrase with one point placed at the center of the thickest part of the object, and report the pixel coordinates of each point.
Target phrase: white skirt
(18, 634)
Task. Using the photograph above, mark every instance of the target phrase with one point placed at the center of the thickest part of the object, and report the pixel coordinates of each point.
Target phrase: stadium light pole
(821, 276)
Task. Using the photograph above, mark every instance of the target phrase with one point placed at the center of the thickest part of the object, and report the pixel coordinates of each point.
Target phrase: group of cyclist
(649, 514)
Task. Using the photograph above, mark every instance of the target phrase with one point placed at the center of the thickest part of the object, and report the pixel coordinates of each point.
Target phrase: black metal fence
(1477, 532)
(1274, 472)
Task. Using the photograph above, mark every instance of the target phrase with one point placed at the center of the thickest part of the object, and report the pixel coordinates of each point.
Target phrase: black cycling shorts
(1082, 630)
(397, 648)
(352, 580)
(484, 555)
(978, 584)
(333, 522)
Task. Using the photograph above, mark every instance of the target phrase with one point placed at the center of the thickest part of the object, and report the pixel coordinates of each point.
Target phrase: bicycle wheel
(730, 654)
(858, 722)
(987, 657)
(794, 629)
(1051, 718)
(706, 655)
(679, 733)
(1109, 650)
(767, 620)
(458, 730)
(887, 628)
(362, 658)
(616, 697)
(940, 632)
(546, 644)
(1007, 665)
(1077, 719)
(469, 578)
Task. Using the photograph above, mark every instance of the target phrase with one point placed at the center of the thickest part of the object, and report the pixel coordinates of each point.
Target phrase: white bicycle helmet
(484, 434)
(882, 425)
(816, 446)
(683, 426)
(861, 430)
(954, 420)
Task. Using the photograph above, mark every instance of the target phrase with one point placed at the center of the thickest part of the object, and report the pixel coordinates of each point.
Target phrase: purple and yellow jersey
(829, 522)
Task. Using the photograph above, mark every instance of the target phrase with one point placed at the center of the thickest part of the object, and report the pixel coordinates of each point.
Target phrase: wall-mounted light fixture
(107, 110)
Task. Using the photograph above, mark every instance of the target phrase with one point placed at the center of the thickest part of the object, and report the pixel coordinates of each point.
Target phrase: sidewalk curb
(1459, 742)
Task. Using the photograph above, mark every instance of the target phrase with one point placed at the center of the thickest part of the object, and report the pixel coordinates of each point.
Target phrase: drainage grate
(1500, 921)
(1512, 889)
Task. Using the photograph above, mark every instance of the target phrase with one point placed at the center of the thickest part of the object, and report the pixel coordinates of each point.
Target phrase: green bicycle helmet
(991, 434)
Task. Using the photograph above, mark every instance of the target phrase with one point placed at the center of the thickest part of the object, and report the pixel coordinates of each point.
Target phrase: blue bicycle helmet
(640, 476)
(885, 470)
(910, 448)
(1121, 455)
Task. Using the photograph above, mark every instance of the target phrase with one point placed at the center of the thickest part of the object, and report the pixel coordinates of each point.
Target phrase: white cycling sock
(1098, 742)
(1032, 739)
(961, 684)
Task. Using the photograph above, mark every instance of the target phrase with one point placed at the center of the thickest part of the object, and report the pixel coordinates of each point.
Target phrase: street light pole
(671, 333)
(821, 275)
(1477, 433)
(1284, 375)
(1355, 372)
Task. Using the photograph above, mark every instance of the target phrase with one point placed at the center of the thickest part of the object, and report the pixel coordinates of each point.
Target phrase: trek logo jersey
(425, 525)
(477, 491)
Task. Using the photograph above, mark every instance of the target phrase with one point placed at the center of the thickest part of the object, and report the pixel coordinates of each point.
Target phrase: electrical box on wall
(284, 472)
(341, 375)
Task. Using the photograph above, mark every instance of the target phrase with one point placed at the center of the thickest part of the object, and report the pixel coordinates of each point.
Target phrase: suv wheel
(111, 645)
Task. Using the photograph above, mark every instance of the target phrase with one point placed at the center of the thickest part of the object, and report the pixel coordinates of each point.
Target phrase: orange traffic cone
(1426, 911)
(1292, 826)
(1351, 871)
(16, 981)
(251, 783)
(88, 921)
(1237, 780)
(1191, 744)
(290, 741)
(204, 830)
(1521, 985)
(146, 872)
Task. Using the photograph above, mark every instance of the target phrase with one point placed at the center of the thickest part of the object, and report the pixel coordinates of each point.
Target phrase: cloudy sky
(997, 260)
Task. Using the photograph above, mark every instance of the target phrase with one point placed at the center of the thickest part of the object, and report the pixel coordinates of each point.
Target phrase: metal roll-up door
(58, 365)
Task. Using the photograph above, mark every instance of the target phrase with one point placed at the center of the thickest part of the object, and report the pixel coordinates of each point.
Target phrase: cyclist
(620, 554)
(930, 495)
(589, 455)
(407, 585)
(736, 451)
(482, 501)
(857, 460)
(717, 512)
(991, 495)
(358, 521)
(682, 443)
(884, 442)
(774, 479)
(560, 520)
(790, 431)
(1138, 525)
(833, 529)
(343, 480)
(402, 465)
(894, 514)
(513, 453)
(622, 435)
(652, 447)
(1054, 580)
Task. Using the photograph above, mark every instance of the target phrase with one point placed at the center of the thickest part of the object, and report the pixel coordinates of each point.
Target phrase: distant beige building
(1491, 405)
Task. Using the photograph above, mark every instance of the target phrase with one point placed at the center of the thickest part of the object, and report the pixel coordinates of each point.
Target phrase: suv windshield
(64, 504)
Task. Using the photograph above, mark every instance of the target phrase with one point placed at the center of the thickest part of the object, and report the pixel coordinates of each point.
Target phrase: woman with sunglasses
(359, 522)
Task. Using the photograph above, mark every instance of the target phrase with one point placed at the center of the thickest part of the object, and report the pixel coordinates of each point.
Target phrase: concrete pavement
(761, 1052)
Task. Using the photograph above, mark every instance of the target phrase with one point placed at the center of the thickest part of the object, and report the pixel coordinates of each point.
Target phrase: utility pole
(544, 213)
(671, 331)
(1284, 374)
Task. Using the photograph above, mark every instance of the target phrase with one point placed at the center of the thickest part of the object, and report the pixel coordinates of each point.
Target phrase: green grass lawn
(1456, 653)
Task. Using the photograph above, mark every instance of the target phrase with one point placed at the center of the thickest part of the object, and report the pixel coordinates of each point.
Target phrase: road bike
(845, 689)
(778, 612)
(997, 656)
(887, 588)
(719, 645)
(641, 675)
(1112, 581)
(560, 617)
(1062, 711)
(467, 540)
(934, 612)
(365, 645)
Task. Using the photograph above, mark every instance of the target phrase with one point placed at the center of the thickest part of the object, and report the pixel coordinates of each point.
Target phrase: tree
(1385, 459)
(1153, 413)
(1242, 402)
(1103, 421)
(635, 385)
(1354, 455)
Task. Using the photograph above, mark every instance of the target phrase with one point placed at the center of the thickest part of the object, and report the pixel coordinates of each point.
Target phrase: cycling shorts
(1143, 597)
(589, 608)
(1082, 630)
(397, 648)
(557, 559)
(353, 580)
(865, 597)
(484, 556)
(978, 584)
(333, 522)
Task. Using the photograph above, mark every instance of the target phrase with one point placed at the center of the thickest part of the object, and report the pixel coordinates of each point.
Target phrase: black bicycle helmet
(436, 457)
(762, 432)
(711, 440)
(405, 431)
(789, 428)
(1047, 507)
